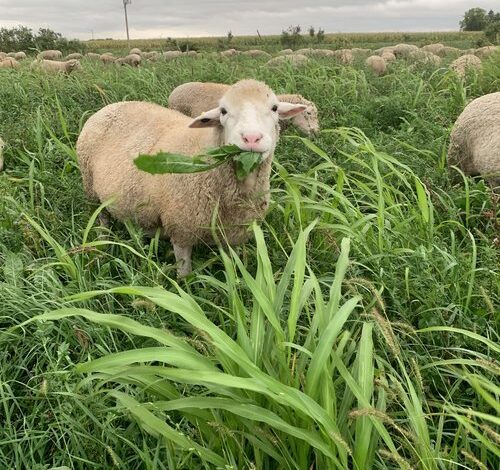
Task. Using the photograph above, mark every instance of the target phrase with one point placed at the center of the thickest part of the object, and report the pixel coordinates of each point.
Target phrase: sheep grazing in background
(438, 49)
(182, 206)
(50, 55)
(12, 54)
(93, 55)
(475, 139)
(107, 58)
(2, 146)
(54, 66)
(153, 55)
(404, 50)
(170, 55)
(451, 51)
(424, 57)
(194, 98)
(376, 64)
(256, 53)
(285, 52)
(486, 51)
(358, 51)
(295, 60)
(3, 55)
(135, 50)
(9, 63)
(320, 53)
(20, 55)
(229, 53)
(344, 56)
(383, 50)
(191, 53)
(466, 63)
(134, 60)
(75, 55)
(388, 56)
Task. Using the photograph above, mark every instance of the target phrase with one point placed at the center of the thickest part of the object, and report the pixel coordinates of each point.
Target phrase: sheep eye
(275, 108)
(223, 111)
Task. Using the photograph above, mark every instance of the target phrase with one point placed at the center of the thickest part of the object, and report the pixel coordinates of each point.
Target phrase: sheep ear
(288, 110)
(208, 119)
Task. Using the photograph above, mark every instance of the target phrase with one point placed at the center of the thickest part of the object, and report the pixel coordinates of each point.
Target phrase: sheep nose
(252, 138)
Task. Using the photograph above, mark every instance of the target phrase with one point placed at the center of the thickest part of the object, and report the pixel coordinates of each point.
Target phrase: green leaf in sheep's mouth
(164, 162)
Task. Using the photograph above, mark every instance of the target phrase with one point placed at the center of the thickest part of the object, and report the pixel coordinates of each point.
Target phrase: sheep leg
(183, 259)
(104, 219)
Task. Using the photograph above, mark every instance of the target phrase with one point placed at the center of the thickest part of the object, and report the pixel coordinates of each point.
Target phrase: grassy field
(358, 330)
(270, 43)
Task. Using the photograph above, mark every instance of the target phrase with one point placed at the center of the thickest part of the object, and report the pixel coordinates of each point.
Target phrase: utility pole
(125, 3)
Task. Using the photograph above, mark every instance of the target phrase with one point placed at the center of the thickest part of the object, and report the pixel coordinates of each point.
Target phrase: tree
(311, 31)
(475, 19)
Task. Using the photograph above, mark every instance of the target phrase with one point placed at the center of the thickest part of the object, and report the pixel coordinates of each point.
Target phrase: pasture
(358, 330)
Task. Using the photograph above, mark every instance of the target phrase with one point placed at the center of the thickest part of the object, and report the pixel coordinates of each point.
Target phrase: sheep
(12, 54)
(451, 51)
(285, 52)
(256, 53)
(170, 55)
(153, 55)
(20, 55)
(133, 60)
(194, 98)
(54, 66)
(182, 206)
(9, 63)
(344, 56)
(3, 55)
(424, 57)
(229, 53)
(2, 145)
(404, 50)
(486, 51)
(135, 50)
(377, 64)
(295, 60)
(191, 53)
(93, 56)
(50, 55)
(466, 63)
(383, 50)
(107, 58)
(438, 49)
(320, 53)
(360, 51)
(75, 55)
(388, 56)
(475, 139)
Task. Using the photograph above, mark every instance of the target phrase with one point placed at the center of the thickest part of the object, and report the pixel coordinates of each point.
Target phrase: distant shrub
(21, 38)
(342, 43)
(291, 37)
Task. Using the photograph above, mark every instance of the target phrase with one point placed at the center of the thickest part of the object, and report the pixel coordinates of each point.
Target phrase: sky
(84, 19)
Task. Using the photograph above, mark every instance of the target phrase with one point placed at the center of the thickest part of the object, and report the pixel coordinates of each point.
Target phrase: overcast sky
(177, 18)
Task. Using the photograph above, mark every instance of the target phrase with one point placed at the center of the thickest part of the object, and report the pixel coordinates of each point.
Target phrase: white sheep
(107, 58)
(285, 52)
(9, 63)
(20, 55)
(295, 60)
(74, 55)
(170, 55)
(475, 139)
(344, 56)
(183, 206)
(256, 53)
(93, 56)
(135, 50)
(320, 53)
(376, 64)
(438, 49)
(50, 55)
(133, 60)
(230, 53)
(3, 55)
(54, 66)
(404, 50)
(465, 63)
(388, 56)
(486, 51)
(194, 98)
(424, 57)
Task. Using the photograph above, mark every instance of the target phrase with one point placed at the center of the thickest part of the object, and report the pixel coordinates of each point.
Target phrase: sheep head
(248, 114)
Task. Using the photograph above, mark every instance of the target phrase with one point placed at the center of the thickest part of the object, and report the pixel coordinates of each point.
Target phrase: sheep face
(248, 114)
(307, 121)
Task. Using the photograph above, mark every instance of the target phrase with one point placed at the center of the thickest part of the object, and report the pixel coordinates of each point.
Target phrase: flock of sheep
(377, 61)
(247, 114)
